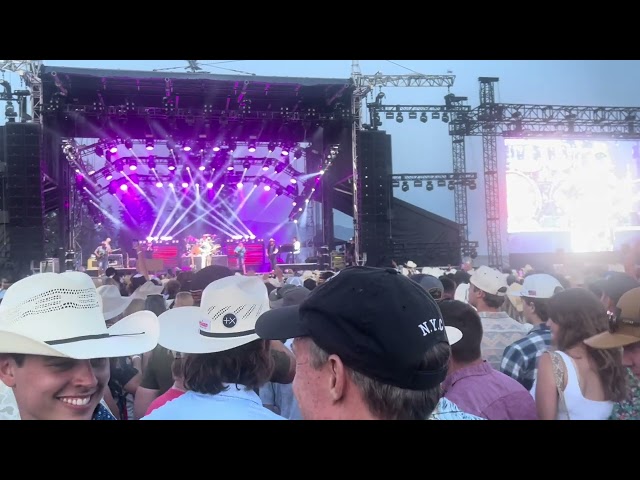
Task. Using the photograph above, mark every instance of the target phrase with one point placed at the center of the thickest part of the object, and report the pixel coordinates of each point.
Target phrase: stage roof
(187, 99)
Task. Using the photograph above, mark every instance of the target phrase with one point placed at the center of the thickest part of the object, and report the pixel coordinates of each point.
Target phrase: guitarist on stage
(102, 256)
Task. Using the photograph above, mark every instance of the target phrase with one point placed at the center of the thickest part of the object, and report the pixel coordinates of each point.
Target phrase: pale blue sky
(426, 148)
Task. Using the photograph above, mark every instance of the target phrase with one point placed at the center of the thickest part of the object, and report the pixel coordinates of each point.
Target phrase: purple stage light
(171, 167)
(133, 167)
(293, 180)
(113, 149)
(202, 168)
(239, 185)
(267, 188)
(209, 184)
(216, 148)
(109, 176)
(265, 168)
(124, 187)
(159, 184)
(186, 148)
(185, 185)
(230, 168)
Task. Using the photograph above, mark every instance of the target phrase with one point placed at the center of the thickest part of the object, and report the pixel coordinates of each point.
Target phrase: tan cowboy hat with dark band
(624, 324)
(60, 315)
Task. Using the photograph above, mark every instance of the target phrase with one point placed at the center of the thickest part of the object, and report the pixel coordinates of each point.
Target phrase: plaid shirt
(519, 358)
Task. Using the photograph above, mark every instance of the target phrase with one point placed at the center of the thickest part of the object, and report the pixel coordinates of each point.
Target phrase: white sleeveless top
(580, 408)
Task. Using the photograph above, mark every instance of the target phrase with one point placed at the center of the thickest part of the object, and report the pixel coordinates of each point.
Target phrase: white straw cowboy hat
(60, 315)
(225, 319)
(146, 289)
(411, 264)
(113, 304)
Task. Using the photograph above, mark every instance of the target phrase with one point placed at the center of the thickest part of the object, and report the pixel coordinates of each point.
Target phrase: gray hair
(389, 402)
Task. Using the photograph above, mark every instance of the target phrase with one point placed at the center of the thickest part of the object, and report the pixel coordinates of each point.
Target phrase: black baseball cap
(379, 322)
(616, 284)
(430, 283)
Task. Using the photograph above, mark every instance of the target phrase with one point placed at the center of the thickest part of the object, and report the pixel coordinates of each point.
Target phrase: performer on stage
(241, 252)
(102, 253)
(292, 257)
(272, 254)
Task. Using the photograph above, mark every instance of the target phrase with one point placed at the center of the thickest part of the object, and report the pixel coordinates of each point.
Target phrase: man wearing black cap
(369, 344)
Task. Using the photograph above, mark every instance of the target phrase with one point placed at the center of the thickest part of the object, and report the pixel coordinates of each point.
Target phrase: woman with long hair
(590, 380)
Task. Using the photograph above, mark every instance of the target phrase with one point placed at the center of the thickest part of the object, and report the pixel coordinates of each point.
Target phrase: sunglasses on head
(616, 321)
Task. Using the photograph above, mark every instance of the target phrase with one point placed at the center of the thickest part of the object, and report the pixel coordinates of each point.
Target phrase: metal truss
(126, 111)
(363, 85)
(366, 83)
(491, 178)
(491, 119)
(449, 177)
(376, 107)
(29, 71)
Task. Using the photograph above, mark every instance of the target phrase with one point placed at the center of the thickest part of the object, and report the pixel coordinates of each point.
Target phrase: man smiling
(55, 346)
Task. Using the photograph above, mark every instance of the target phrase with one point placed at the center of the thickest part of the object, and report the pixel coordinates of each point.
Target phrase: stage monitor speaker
(50, 265)
(222, 260)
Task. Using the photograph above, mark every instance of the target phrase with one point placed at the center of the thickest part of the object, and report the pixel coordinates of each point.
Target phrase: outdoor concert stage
(136, 155)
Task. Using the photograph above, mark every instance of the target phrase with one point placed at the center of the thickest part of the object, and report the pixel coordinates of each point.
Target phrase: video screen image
(587, 188)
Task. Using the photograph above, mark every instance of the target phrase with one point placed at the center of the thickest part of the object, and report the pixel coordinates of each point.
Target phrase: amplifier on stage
(116, 260)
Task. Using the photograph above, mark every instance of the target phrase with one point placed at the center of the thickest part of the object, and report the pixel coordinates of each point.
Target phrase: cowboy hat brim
(135, 334)
(180, 332)
(114, 311)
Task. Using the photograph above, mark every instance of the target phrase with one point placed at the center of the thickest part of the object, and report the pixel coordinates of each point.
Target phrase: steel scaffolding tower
(491, 179)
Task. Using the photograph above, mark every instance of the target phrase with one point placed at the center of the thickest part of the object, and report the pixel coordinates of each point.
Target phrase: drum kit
(204, 248)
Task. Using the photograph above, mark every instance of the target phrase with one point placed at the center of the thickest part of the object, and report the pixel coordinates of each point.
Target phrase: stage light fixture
(113, 148)
(280, 167)
(171, 165)
(119, 165)
(186, 147)
(239, 185)
(445, 117)
(151, 162)
(429, 186)
(389, 115)
(246, 165)
(424, 118)
(451, 185)
(293, 180)
(285, 150)
(413, 115)
(252, 146)
(442, 183)
(271, 147)
(297, 154)
(209, 185)
(99, 151)
(128, 144)
(405, 186)
(113, 188)
(267, 188)
(185, 184)
(159, 184)
(124, 187)
(279, 191)
(417, 183)
(399, 118)
(171, 144)
(232, 147)
(472, 185)
(149, 144)
(133, 164)
(108, 175)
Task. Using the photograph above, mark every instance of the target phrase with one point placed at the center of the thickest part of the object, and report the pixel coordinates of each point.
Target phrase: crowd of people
(394, 343)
